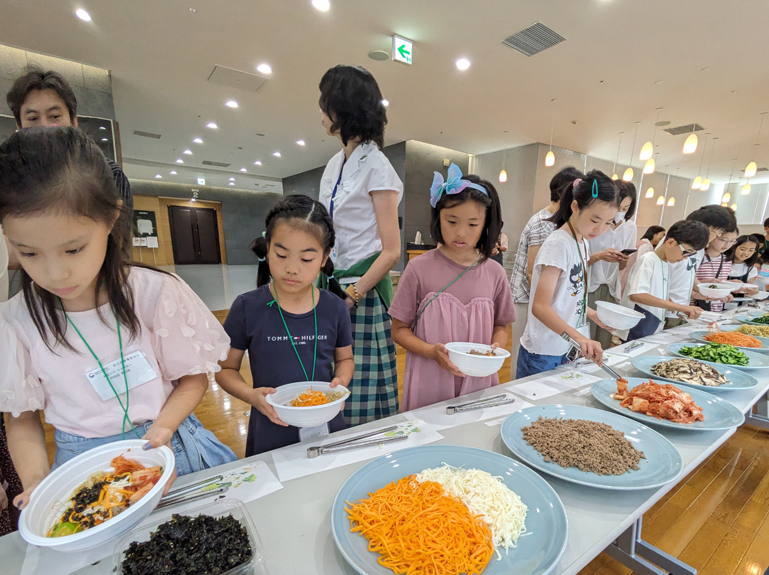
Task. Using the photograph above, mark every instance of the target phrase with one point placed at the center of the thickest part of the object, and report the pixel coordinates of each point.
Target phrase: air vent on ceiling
(146, 134)
(236, 79)
(217, 164)
(533, 40)
(759, 170)
(688, 129)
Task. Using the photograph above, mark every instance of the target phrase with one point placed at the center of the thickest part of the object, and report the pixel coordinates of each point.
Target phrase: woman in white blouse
(361, 191)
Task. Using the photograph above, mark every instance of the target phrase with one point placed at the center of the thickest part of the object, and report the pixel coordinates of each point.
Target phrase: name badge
(138, 371)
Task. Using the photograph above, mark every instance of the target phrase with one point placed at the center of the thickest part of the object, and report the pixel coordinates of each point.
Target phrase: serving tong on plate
(494, 401)
(356, 442)
(188, 493)
(630, 347)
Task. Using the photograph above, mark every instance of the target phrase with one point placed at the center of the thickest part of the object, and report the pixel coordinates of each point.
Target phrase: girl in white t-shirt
(744, 255)
(108, 349)
(558, 307)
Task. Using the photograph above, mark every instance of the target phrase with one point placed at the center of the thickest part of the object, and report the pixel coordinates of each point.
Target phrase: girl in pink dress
(107, 349)
(452, 293)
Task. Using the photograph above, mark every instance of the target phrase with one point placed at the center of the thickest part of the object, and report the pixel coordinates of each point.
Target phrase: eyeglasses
(686, 253)
(728, 242)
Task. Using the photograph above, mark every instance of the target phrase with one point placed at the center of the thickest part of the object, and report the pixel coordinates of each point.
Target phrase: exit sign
(402, 50)
(201, 181)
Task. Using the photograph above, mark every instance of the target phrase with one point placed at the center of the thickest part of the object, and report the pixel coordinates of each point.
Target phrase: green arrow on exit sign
(402, 50)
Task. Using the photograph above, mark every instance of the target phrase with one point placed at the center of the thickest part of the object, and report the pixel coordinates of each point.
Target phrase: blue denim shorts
(195, 448)
(534, 363)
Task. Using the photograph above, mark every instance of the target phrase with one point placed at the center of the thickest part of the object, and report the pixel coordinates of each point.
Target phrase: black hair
(690, 232)
(303, 213)
(652, 231)
(563, 178)
(626, 190)
(350, 97)
(492, 226)
(750, 262)
(38, 79)
(766, 223)
(717, 217)
(61, 170)
(583, 194)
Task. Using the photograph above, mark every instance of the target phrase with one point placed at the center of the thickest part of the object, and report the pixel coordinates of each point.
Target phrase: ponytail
(583, 191)
(260, 247)
(333, 284)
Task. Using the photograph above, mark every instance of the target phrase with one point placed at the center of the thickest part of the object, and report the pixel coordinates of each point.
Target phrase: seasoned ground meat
(588, 445)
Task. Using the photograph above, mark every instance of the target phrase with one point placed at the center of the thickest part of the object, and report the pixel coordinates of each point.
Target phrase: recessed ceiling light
(102, 128)
(463, 63)
(105, 140)
(243, 170)
(192, 10)
(158, 176)
(379, 55)
(83, 15)
(179, 161)
(231, 104)
(188, 152)
(198, 141)
(322, 5)
(385, 103)
(300, 142)
(276, 154)
(212, 125)
(173, 172)
(264, 69)
(232, 183)
(232, 179)
(258, 163)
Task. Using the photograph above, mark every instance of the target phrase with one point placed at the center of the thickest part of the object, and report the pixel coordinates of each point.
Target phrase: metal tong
(611, 372)
(630, 347)
(356, 442)
(502, 399)
(190, 493)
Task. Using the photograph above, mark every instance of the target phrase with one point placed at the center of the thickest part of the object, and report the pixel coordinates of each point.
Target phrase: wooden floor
(716, 519)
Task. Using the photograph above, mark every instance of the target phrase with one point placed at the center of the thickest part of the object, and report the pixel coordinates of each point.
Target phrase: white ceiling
(700, 61)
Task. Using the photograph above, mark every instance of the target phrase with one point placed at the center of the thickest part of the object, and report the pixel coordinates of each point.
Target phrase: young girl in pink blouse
(452, 293)
(107, 349)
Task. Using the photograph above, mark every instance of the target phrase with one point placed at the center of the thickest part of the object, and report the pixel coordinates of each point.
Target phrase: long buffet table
(294, 523)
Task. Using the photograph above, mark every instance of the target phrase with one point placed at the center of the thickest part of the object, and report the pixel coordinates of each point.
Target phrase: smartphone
(628, 251)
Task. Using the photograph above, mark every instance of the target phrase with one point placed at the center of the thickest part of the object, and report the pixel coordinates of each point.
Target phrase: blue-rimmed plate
(748, 319)
(718, 414)
(662, 464)
(736, 379)
(755, 360)
(764, 340)
(539, 548)
(700, 336)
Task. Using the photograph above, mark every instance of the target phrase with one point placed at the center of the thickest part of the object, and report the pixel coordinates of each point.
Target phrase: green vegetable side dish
(716, 353)
(763, 319)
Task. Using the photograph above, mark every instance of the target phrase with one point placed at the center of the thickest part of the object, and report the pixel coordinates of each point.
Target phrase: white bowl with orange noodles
(314, 402)
(475, 359)
(52, 497)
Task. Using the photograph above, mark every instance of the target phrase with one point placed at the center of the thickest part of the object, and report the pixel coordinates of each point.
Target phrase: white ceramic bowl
(722, 290)
(476, 365)
(760, 296)
(617, 316)
(305, 416)
(51, 498)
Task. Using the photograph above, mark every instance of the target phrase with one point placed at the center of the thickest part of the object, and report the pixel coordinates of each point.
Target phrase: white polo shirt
(3, 267)
(367, 170)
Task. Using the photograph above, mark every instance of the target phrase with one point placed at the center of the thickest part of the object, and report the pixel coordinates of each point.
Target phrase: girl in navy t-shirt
(279, 322)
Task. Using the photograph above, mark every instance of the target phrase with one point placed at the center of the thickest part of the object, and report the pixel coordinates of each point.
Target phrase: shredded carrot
(419, 530)
(309, 398)
(733, 338)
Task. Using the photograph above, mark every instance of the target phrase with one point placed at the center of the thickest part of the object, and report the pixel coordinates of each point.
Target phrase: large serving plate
(539, 549)
(755, 360)
(748, 319)
(718, 414)
(736, 379)
(662, 464)
(700, 336)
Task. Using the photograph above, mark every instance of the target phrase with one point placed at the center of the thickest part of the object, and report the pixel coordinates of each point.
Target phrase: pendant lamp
(646, 151)
(690, 145)
(697, 183)
(550, 157)
(671, 202)
(615, 177)
(745, 190)
(503, 173)
(725, 198)
(751, 168)
(628, 175)
(649, 166)
(649, 193)
(706, 182)
(660, 200)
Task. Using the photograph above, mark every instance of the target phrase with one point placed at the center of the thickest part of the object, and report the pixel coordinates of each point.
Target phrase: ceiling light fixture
(550, 157)
(615, 177)
(726, 197)
(649, 193)
(745, 189)
(649, 166)
(661, 201)
(628, 175)
(158, 176)
(105, 139)
(232, 183)
(83, 15)
(276, 154)
(188, 152)
(212, 125)
(463, 64)
(322, 5)
(197, 141)
(264, 69)
(385, 103)
(734, 207)
(243, 170)
(232, 179)
(258, 163)
(172, 172)
(503, 173)
(179, 161)
(102, 128)
(706, 182)
(231, 104)
(690, 145)
(671, 202)
(697, 182)
(300, 143)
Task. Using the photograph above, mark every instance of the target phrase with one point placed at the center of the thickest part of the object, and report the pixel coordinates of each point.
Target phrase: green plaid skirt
(374, 386)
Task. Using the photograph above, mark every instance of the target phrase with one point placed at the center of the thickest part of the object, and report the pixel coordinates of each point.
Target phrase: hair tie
(576, 183)
(595, 188)
(261, 259)
(264, 234)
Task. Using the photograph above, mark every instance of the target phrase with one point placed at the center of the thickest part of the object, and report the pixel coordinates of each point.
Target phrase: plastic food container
(617, 316)
(220, 508)
(722, 290)
(52, 496)
(305, 416)
(476, 365)
(760, 296)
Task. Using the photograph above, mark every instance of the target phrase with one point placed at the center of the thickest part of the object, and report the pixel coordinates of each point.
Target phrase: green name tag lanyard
(291, 339)
(125, 407)
(583, 313)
